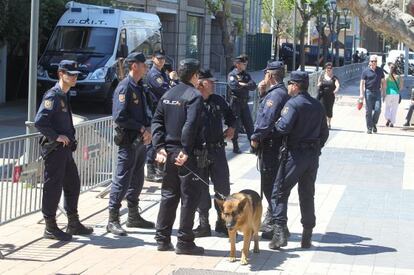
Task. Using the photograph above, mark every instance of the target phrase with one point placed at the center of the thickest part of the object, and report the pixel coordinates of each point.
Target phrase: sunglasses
(291, 82)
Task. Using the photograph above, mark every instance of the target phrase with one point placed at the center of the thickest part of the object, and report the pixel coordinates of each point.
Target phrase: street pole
(294, 40)
(273, 31)
(34, 33)
(319, 40)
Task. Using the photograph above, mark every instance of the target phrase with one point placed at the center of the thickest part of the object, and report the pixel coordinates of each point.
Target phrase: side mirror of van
(123, 52)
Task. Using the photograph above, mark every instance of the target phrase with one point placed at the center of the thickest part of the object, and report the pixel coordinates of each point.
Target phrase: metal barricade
(21, 166)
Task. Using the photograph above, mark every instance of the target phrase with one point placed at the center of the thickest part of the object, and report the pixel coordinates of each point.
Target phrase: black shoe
(135, 219)
(267, 224)
(306, 238)
(407, 124)
(374, 129)
(236, 148)
(268, 235)
(190, 249)
(114, 226)
(202, 231)
(391, 125)
(75, 227)
(165, 246)
(388, 123)
(369, 131)
(221, 228)
(152, 175)
(53, 232)
(279, 238)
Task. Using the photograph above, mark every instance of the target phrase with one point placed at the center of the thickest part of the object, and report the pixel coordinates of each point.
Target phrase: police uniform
(215, 110)
(303, 122)
(264, 133)
(176, 127)
(131, 116)
(158, 83)
(239, 100)
(54, 118)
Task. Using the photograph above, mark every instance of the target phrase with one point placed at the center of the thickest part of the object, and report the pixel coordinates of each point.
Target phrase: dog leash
(195, 174)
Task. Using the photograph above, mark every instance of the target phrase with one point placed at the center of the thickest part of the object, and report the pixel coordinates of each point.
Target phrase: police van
(96, 37)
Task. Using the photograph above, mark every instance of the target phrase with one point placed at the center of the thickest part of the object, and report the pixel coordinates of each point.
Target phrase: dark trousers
(301, 167)
(269, 165)
(372, 107)
(410, 113)
(328, 99)
(60, 173)
(218, 171)
(129, 176)
(241, 111)
(151, 154)
(179, 183)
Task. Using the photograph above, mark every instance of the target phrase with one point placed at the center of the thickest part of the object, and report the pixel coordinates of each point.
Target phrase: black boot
(306, 238)
(165, 246)
(135, 219)
(53, 232)
(221, 227)
(113, 223)
(279, 238)
(189, 249)
(75, 227)
(151, 174)
(267, 224)
(236, 148)
(204, 229)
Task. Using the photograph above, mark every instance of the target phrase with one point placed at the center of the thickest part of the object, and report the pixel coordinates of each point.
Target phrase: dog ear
(219, 203)
(242, 204)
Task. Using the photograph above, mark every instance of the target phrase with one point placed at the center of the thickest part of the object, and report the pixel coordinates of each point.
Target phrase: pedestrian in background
(54, 121)
(372, 88)
(132, 118)
(394, 84)
(328, 85)
(176, 129)
(240, 84)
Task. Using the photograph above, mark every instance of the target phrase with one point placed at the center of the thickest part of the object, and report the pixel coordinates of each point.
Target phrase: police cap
(243, 58)
(299, 77)
(69, 66)
(135, 57)
(275, 65)
(159, 54)
(206, 75)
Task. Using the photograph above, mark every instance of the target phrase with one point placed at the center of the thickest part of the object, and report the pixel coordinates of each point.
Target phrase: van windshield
(83, 40)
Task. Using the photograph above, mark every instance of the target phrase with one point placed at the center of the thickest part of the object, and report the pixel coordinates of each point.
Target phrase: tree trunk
(226, 38)
(383, 16)
(302, 44)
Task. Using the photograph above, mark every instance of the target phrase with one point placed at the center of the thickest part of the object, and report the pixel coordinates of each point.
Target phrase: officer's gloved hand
(73, 145)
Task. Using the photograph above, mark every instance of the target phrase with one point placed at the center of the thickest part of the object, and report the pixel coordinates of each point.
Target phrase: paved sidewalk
(364, 208)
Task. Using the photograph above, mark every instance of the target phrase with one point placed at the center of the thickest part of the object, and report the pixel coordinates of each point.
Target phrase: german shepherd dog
(242, 212)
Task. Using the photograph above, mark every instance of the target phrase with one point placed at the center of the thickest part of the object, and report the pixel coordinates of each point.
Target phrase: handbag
(399, 94)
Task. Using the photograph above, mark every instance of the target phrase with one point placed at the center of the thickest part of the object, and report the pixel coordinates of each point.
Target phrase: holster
(47, 147)
(201, 156)
(125, 137)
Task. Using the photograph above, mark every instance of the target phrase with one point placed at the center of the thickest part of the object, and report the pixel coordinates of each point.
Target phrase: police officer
(216, 168)
(132, 118)
(176, 130)
(158, 83)
(303, 122)
(240, 83)
(265, 139)
(54, 121)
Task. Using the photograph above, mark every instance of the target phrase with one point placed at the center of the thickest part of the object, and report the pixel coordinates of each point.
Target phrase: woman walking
(392, 97)
(328, 85)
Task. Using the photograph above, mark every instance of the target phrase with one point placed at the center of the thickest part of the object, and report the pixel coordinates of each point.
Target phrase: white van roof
(84, 15)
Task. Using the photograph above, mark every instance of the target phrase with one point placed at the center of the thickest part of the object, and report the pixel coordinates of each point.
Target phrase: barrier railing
(21, 167)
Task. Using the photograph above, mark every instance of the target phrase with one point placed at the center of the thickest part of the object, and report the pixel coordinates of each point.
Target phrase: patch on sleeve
(159, 80)
(48, 104)
(121, 98)
(269, 103)
(285, 111)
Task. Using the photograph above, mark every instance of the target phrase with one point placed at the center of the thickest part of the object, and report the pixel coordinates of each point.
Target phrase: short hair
(278, 74)
(373, 57)
(328, 64)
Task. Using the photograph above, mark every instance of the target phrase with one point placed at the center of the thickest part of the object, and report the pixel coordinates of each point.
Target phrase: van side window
(122, 43)
(145, 40)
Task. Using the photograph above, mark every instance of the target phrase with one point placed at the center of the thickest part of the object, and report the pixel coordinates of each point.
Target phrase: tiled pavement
(364, 209)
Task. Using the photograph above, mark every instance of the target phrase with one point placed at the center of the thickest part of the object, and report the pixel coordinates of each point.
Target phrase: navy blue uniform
(176, 127)
(269, 140)
(239, 100)
(158, 83)
(54, 118)
(303, 120)
(131, 113)
(216, 109)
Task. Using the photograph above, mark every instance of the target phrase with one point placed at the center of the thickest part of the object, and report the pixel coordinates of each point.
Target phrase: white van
(96, 37)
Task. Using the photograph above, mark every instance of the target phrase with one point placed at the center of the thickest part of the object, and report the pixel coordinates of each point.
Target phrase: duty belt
(216, 145)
